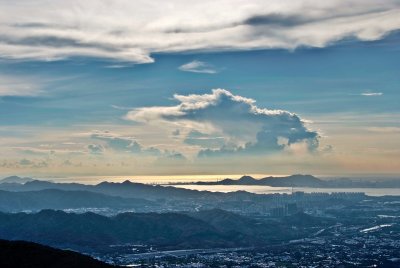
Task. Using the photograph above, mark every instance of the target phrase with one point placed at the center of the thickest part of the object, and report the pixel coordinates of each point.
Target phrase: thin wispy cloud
(198, 67)
(131, 31)
(371, 94)
(118, 66)
(19, 86)
(117, 107)
(384, 129)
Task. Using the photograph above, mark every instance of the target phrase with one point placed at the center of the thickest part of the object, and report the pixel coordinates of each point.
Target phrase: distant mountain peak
(103, 183)
(16, 179)
(39, 182)
(287, 181)
(247, 178)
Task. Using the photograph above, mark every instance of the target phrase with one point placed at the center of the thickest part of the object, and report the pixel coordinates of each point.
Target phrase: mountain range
(124, 189)
(61, 199)
(90, 232)
(289, 181)
(16, 179)
(140, 190)
(300, 180)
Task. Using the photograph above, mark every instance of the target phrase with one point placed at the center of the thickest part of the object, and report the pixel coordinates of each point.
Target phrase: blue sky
(72, 113)
(330, 80)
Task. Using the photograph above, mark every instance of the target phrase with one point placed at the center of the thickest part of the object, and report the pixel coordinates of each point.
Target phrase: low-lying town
(331, 230)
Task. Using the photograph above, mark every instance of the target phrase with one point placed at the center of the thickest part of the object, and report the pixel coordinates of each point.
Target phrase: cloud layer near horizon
(230, 121)
(131, 31)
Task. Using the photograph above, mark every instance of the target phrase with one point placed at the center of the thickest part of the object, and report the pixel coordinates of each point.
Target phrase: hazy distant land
(128, 223)
(299, 180)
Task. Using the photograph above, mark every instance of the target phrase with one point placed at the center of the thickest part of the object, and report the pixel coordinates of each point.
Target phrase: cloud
(117, 143)
(174, 156)
(384, 129)
(195, 137)
(89, 28)
(171, 158)
(95, 149)
(67, 163)
(176, 132)
(25, 162)
(41, 164)
(371, 94)
(18, 86)
(118, 66)
(198, 67)
(230, 122)
(50, 150)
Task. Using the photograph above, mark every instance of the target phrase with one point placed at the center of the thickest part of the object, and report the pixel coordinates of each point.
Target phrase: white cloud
(95, 148)
(198, 67)
(18, 86)
(387, 130)
(371, 94)
(130, 31)
(123, 144)
(230, 122)
(115, 142)
(118, 66)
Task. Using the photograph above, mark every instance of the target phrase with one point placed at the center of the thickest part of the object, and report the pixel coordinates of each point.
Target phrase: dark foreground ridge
(31, 255)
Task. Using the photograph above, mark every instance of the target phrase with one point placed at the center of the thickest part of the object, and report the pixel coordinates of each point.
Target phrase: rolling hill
(90, 232)
(60, 199)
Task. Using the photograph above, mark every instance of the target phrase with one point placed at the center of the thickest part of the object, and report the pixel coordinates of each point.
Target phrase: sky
(97, 88)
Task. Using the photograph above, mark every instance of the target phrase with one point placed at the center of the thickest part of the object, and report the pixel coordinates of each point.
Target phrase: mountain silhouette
(20, 254)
